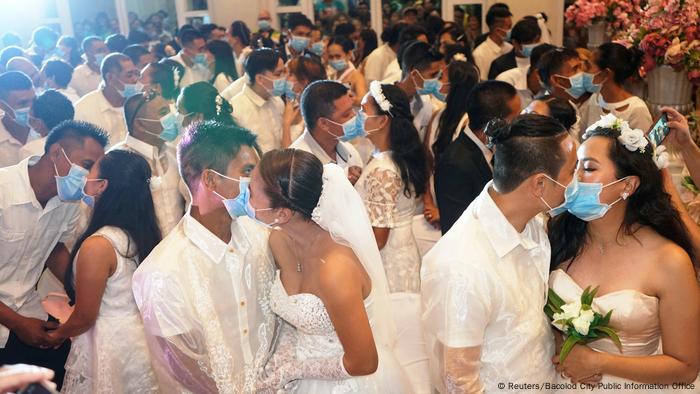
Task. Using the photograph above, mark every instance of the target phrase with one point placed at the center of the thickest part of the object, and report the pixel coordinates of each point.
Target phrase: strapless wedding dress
(317, 339)
(635, 317)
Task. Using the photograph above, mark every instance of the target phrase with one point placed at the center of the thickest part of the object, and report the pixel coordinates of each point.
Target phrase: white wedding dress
(635, 317)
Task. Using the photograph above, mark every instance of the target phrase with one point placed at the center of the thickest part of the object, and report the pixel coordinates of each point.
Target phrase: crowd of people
(321, 210)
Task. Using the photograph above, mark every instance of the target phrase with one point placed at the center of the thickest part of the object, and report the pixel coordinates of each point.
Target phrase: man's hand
(679, 135)
(432, 215)
(354, 173)
(15, 377)
(33, 332)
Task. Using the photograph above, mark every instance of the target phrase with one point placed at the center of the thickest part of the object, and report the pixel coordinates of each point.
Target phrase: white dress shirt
(422, 111)
(392, 74)
(33, 148)
(9, 146)
(233, 89)
(221, 82)
(192, 74)
(262, 117)
(205, 307)
(377, 63)
(240, 60)
(489, 292)
(85, 80)
(165, 182)
(486, 53)
(94, 108)
(28, 234)
(70, 94)
(346, 155)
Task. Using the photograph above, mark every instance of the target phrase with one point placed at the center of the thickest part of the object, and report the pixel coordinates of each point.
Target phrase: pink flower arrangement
(584, 12)
(618, 14)
(668, 34)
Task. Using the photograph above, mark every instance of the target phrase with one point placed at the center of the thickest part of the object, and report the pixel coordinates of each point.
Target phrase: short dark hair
(87, 42)
(344, 29)
(189, 35)
(137, 37)
(44, 34)
(59, 70)
(561, 110)
(411, 33)
(11, 81)
(116, 42)
(52, 108)
(112, 63)
(8, 53)
(344, 43)
(210, 145)
(527, 146)
(497, 12)
(206, 30)
(552, 62)
(318, 100)
(526, 31)
(135, 52)
(391, 35)
(298, 19)
(418, 56)
(537, 54)
(77, 131)
(261, 60)
(488, 100)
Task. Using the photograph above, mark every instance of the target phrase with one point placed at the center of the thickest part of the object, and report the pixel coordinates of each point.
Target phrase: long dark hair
(126, 204)
(462, 76)
(223, 59)
(203, 98)
(407, 151)
(649, 205)
(164, 73)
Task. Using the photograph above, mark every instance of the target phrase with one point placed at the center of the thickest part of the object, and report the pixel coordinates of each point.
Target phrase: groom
(203, 291)
(484, 284)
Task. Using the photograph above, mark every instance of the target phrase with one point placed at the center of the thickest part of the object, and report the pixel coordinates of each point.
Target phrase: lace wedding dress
(112, 356)
(635, 317)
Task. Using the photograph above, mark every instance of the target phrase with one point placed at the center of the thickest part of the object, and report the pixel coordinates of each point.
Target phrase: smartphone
(37, 388)
(659, 130)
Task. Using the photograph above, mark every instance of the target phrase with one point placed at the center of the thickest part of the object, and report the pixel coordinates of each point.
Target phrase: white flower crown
(632, 139)
(459, 57)
(375, 89)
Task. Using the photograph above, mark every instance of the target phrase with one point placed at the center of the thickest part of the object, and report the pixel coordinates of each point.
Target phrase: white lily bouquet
(578, 321)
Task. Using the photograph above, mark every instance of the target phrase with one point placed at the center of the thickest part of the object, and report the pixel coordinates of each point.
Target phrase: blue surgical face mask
(317, 48)
(299, 43)
(583, 199)
(289, 90)
(201, 58)
(561, 208)
(251, 212)
(432, 86)
(264, 24)
(70, 187)
(99, 57)
(526, 50)
(22, 116)
(170, 125)
(577, 88)
(339, 64)
(89, 199)
(131, 89)
(33, 135)
(353, 128)
(279, 86)
(236, 207)
(589, 85)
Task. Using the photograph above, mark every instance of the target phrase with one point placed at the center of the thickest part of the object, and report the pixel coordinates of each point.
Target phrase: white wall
(223, 12)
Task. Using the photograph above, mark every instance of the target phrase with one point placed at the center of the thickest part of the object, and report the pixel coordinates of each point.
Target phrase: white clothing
(635, 318)
(28, 234)
(165, 184)
(422, 111)
(9, 147)
(345, 153)
(377, 63)
(633, 109)
(84, 80)
(221, 82)
(234, 88)
(260, 116)
(94, 108)
(205, 307)
(392, 74)
(486, 53)
(490, 293)
(33, 148)
(70, 94)
(382, 191)
(240, 60)
(192, 74)
(99, 361)
(515, 76)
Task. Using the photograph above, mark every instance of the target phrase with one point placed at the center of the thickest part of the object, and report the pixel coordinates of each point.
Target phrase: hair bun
(497, 130)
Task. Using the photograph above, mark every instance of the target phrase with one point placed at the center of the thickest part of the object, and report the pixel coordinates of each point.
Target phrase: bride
(330, 286)
(622, 233)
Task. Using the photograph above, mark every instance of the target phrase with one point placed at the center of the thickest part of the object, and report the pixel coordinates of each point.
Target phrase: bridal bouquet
(578, 321)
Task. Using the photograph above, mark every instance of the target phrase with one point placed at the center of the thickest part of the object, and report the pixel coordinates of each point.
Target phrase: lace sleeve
(382, 191)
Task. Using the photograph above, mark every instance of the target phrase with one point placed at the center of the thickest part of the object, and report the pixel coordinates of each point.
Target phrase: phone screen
(659, 131)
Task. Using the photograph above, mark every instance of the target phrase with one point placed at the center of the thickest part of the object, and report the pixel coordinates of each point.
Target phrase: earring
(625, 195)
